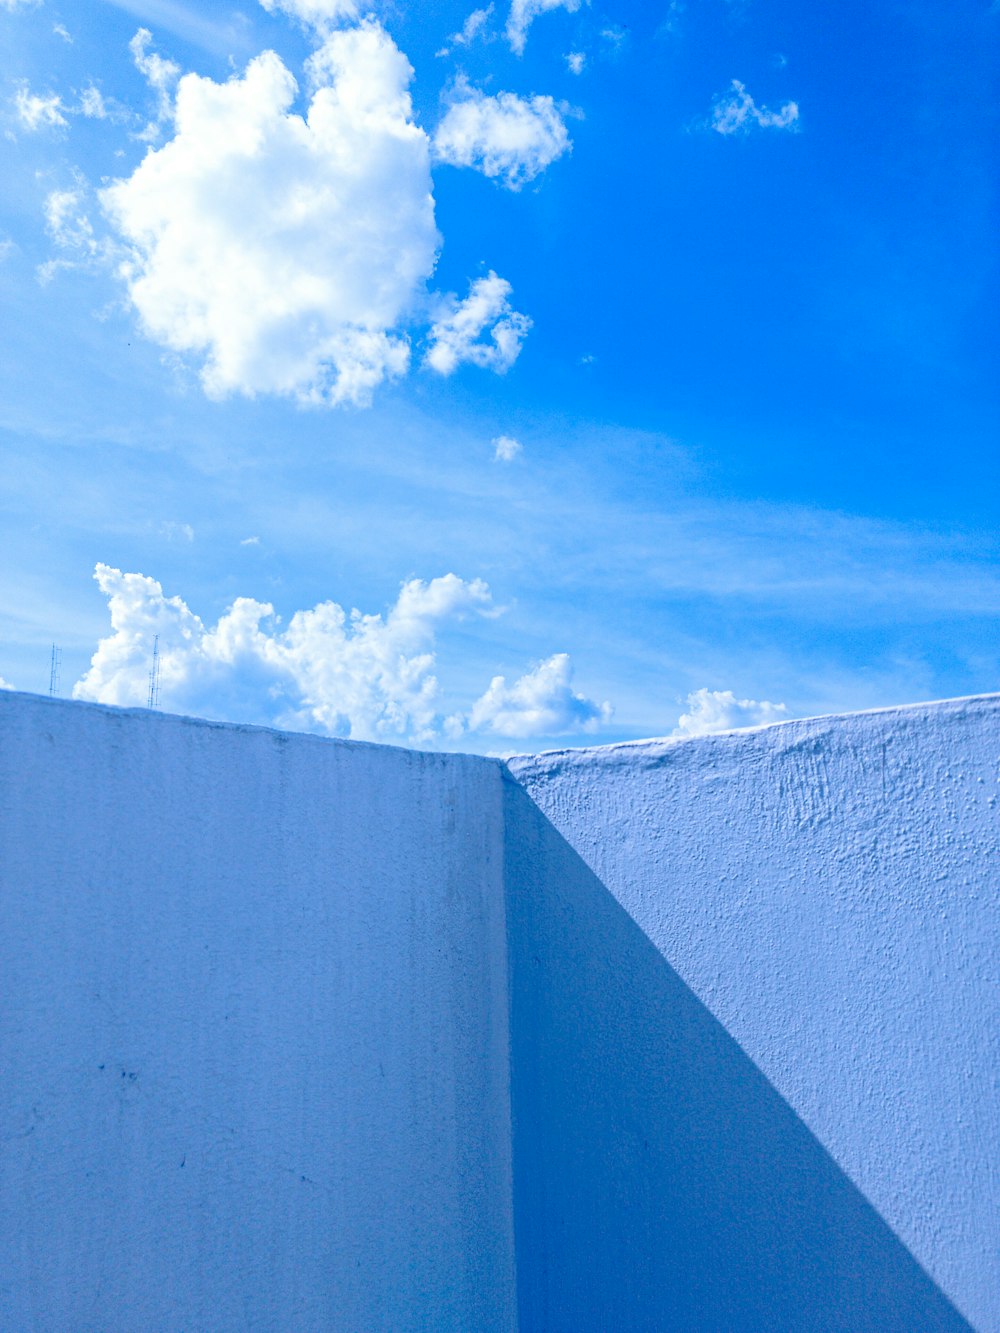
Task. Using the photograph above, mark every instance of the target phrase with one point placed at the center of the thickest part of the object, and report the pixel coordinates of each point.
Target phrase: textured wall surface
(299, 1035)
(754, 1026)
(254, 1031)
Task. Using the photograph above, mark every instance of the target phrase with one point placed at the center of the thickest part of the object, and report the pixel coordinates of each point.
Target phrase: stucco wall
(253, 1033)
(298, 1034)
(754, 1026)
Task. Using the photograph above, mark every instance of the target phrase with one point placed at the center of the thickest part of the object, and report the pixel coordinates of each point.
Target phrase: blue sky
(721, 278)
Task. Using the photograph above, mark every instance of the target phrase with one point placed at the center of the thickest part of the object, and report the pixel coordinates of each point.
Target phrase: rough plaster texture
(300, 1035)
(750, 973)
(253, 1033)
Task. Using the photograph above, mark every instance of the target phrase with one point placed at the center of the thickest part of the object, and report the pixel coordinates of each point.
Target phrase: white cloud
(7, 248)
(322, 16)
(541, 703)
(250, 541)
(720, 710)
(6, 685)
(36, 113)
(505, 136)
(160, 74)
(671, 24)
(286, 251)
(506, 448)
(332, 671)
(18, 4)
(92, 104)
(576, 62)
(177, 532)
(738, 113)
(454, 338)
(68, 223)
(474, 27)
(341, 673)
(60, 30)
(524, 12)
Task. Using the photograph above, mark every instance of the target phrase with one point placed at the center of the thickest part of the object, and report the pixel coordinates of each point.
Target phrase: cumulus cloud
(340, 673)
(524, 12)
(6, 685)
(720, 710)
(36, 112)
(456, 337)
(738, 113)
(320, 15)
(506, 448)
(541, 703)
(332, 671)
(509, 138)
(576, 62)
(286, 250)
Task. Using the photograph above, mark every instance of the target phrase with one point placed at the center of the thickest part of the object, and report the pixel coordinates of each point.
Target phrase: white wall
(253, 1033)
(300, 1035)
(755, 1026)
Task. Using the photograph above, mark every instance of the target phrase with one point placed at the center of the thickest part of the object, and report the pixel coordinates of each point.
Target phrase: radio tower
(154, 675)
(54, 671)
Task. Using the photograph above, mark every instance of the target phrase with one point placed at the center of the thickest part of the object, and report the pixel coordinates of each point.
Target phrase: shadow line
(660, 1181)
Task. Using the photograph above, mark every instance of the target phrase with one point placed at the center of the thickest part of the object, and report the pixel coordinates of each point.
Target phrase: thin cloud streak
(219, 39)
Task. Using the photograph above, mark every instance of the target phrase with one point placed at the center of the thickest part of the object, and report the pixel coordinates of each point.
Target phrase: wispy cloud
(161, 75)
(68, 223)
(177, 532)
(189, 24)
(321, 16)
(37, 111)
(523, 14)
(736, 112)
(506, 449)
(475, 28)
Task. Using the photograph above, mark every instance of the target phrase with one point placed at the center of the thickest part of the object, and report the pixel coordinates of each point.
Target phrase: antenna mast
(154, 675)
(54, 670)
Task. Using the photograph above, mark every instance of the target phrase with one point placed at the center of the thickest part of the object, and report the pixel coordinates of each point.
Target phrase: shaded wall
(254, 1030)
(754, 1027)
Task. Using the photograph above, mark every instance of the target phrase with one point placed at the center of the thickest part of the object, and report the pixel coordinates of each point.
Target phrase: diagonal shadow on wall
(660, 1181)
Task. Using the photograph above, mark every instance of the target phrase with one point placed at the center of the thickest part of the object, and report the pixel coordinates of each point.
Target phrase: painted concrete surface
(254, 1031)
(298, 1034)
(754, 1027)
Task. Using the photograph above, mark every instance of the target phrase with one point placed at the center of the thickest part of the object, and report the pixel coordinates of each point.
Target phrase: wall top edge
(781, 733)
(636, 751)
(155, 717)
